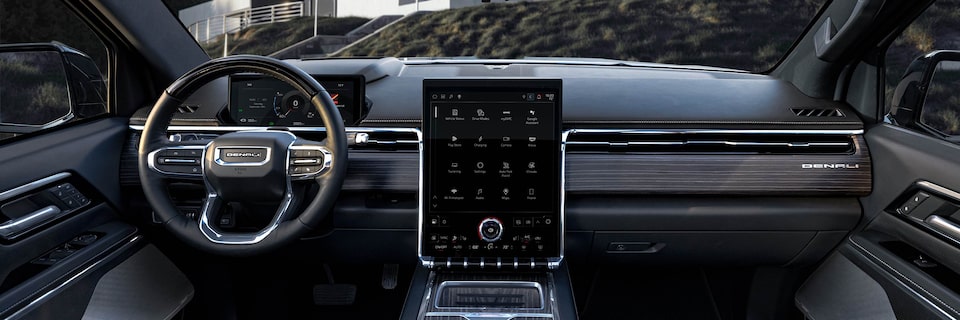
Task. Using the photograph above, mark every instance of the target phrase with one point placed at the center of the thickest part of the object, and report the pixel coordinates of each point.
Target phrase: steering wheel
(246, 167)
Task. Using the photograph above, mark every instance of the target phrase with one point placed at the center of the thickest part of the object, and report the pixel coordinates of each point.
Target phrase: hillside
(748, 34)
(281, 35)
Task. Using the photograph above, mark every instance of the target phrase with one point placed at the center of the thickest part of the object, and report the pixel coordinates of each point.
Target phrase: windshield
(748, 35)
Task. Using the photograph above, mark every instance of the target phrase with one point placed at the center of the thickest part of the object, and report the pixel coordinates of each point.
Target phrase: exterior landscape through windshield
(749, 35)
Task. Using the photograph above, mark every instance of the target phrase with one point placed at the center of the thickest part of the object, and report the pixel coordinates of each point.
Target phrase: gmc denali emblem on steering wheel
(242, 156)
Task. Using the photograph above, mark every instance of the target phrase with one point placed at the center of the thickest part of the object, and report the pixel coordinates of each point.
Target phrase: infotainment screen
(257, 100)
(492, 169)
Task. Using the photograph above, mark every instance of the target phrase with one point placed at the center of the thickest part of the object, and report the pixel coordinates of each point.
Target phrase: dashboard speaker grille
(188, 108)
(817, 112)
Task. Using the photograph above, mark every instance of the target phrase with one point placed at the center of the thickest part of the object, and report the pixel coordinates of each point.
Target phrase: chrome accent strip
(624, 131)
(66, 283)
(717, 131)
(306, 161)
(953, 195)
(13, 228)
(183, 161)
(944, 226)
(152, 160)
(212, 203)
(554, 263)
(712, 142)
(426, 261)
(292, 129)
(31, 186)
(217, 157)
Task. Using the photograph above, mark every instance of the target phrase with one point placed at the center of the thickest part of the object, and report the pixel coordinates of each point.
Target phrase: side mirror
(927, 96)
(43, 85)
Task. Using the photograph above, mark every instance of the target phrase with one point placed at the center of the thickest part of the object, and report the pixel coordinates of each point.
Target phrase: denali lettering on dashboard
(243, 154)
(830, 166)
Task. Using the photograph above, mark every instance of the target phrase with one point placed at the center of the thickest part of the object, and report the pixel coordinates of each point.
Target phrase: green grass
(748, 34)
(270, 38)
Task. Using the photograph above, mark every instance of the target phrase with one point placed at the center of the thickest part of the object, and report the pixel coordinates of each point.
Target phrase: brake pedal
(334, 294)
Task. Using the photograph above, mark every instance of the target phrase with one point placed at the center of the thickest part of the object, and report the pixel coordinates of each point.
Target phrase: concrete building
(215, 8)
(376, 8)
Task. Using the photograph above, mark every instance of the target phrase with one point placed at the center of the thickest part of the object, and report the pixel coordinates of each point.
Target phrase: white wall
(376, 8)
(205, 10)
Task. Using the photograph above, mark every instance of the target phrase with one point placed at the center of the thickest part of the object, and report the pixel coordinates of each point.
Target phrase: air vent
(817, 112)
(188, 108)
(708, 142)
(387, 139)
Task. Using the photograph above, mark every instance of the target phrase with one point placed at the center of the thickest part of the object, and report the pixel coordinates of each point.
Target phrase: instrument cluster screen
(492, 157)
(257, 100)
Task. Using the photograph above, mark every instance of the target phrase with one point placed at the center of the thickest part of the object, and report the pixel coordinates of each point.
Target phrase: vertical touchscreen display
(492, 163)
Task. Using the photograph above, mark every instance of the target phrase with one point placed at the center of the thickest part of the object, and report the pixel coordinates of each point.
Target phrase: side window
(913, 96)
(52, 67)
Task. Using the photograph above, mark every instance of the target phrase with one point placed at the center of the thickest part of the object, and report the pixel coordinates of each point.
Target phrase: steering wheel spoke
(177, 161)
(209, 215)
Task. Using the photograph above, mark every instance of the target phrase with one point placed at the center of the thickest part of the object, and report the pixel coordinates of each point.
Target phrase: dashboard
(633, 159)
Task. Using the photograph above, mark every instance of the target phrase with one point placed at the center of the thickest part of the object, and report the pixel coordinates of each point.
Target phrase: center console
(491, 201)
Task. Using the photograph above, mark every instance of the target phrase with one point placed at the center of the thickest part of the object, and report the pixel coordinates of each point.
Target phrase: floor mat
(649, 294)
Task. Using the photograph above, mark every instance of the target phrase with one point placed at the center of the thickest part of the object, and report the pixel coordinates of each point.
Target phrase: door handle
(944, 226)
(13, 228)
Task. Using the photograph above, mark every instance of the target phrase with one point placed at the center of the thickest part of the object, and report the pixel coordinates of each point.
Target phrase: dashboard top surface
(596, 95)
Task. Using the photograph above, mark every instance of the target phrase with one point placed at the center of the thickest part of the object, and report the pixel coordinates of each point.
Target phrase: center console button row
(491, 262)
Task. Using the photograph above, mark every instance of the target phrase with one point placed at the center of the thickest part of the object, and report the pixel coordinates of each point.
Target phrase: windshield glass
(748, 35)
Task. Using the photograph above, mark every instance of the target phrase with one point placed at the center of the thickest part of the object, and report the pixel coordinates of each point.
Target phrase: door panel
(54, 267)
(894, 263)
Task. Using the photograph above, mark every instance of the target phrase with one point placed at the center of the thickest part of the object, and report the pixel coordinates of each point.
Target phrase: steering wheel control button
(181, 153)
(306, 153)
(308, 161)
(490, 229)
(179, 161)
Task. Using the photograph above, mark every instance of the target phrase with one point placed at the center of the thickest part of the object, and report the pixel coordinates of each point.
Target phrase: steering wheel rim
(154, 138)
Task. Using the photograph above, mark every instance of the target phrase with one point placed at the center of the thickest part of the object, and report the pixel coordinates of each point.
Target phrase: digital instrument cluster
(492, 168)
(257, 100)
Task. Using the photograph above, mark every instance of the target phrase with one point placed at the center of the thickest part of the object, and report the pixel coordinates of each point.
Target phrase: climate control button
(490, 229)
